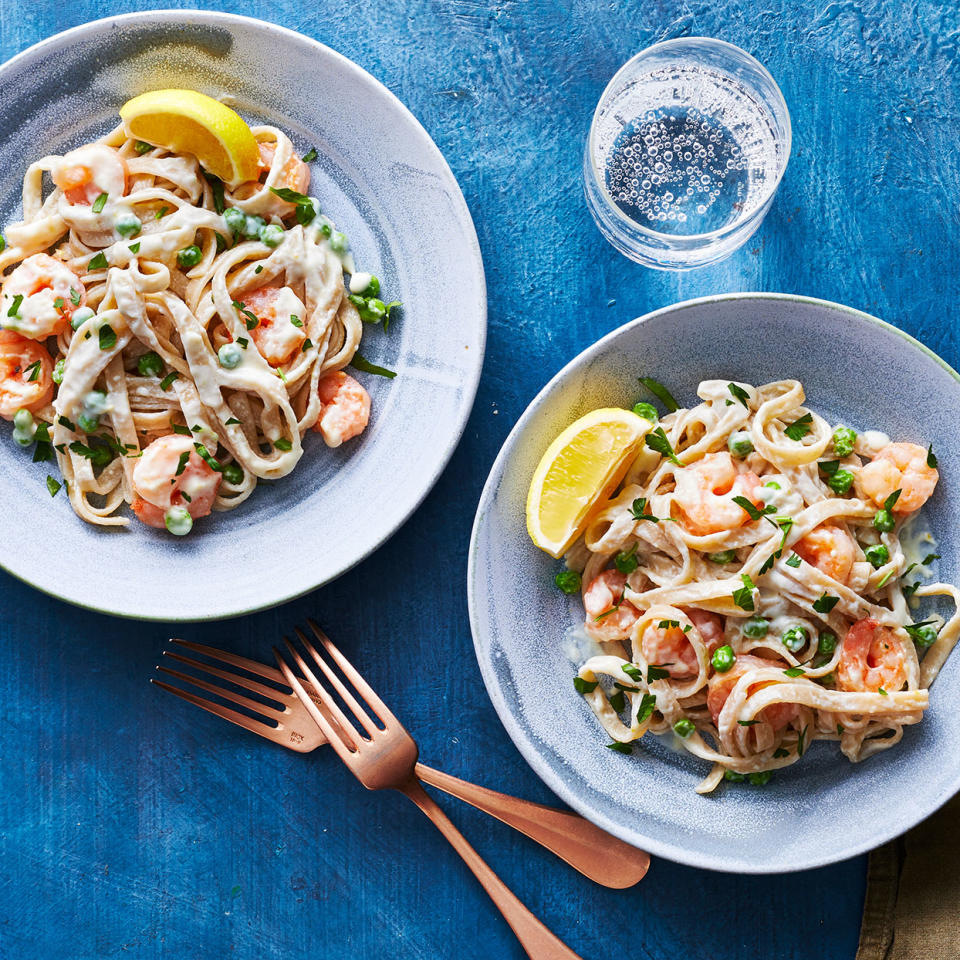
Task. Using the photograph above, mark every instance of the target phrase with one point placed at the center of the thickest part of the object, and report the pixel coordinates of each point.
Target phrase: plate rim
(669, 851)
(103, 26)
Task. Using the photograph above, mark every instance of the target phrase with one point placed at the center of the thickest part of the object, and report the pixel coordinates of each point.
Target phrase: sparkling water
(686, 149)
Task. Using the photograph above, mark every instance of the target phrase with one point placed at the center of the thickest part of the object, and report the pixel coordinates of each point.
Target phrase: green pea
(740, 444)
(756, 628)
(772, 484)
(93, 407)
(232, 473)
(230, 356)
(149, 364)
(252, 226)
(646, 410)
(684, 727)
(883, 521)
(840, 482)
(128, 227)
(339, 242)
(725, 556)
(568, 581)
(372, 289)
(827, 642)
(58, 369)
(271, 234)
(235, 219)
(925, 636)
(733, 776)
(878, 555)
(795, 639)
(178, 521)
(761, 778)
(723, 658)
(23, 437)
(23, 419)
(80, 317)
(626, 560)
(843, 441)
(189, 256)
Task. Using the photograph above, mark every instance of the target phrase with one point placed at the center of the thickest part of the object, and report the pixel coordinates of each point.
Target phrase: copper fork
(285, 721)
(383, 757)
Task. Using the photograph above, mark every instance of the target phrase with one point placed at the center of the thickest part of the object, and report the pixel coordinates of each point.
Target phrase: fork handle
(594, 852)
(537, 941)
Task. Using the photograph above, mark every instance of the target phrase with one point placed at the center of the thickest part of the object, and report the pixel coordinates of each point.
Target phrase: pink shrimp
(25, 374)
(276, 335)
(48, 291)
(903, 467)
(294, 175)
(345, 408)
(609, 616)
(89, 171)
(873, 657)
(720, 685)
(671, 648)
(705, 492)
(159, 485)
(830, 549)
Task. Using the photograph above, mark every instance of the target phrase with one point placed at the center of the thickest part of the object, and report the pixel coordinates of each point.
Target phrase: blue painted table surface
(131, 823)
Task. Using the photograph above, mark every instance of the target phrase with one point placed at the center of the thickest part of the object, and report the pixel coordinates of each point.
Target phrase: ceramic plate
(380, 177)
(856, 369)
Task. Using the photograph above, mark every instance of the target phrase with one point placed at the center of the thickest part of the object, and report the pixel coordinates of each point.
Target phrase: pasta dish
(751, 584)
(170, 338)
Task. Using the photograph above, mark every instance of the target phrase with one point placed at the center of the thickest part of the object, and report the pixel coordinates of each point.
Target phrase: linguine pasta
(192, 332)
(750, 586)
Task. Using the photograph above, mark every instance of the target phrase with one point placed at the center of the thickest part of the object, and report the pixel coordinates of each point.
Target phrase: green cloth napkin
(912, 907)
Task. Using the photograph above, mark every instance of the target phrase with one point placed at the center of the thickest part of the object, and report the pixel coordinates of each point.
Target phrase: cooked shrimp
(345, 409)
(903, 467)
(829, 549)
(276, 335)
(87, 172)
(778, 715)
(49, 292)
(25, 374)
(295, 175)
(670, 647)
(873, 657)
(159, 486)
(609, 616)
(705, 492)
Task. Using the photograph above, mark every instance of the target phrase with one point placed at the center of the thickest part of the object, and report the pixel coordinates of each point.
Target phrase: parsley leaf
(310, 155)
(743, 597)
(108, 337)
(53, 485)
(747, 723)
(75, 297)
(632, 672)
(166, 382)
(361, 363)
(825, 603)
(793, 560)
(618, 701)
(931, 458)
(739, 394)
(655, 672)
(914, 629)
(216, 185)
(182, 462)
(889, 503)
(801, 739)
(660, 392)
(647, 704)
(657, 441)
(620, 747)
(98, 204)
(754, 513)
(251, 318)
(794, 672)
(99, 262)
(181, 429)
(584, 686)
(231, 421)
(800, 428)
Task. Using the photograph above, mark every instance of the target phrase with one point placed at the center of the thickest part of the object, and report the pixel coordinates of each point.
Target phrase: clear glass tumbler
(686, 149)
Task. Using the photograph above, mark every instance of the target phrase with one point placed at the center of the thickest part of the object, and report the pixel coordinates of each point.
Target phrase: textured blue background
(131, 823)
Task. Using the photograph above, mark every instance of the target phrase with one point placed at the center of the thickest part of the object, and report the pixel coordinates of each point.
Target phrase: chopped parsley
(108, 337)
(181, 429)
(69, 424)
(167, 381)
(99, 262)
(657, 441)
(647, 704)
(794, 672)
(801, 740)
(743, 597)
(216, 185)
(206, 456)
(799, 428)
(14, 310)
(620, 747)
(283, 444)
(250, 317)
(182, 462)
(34, 371)
(739, 394)
(58, 304)
(305, 209)
(75, 297)
(98, 204)
(656, 672)
(584, 686)
(780, 752)
(660, 392)
(310, 155)
(361, 363)
(752, 510)
(889, 503)
(633, 672)
(825, 603)
(53, 485)
(141, 147)
(135, 247)
(794, 560)
(295, 320)
(931, 458)
(233, 420)
(747, 723)
(638, 510)
(307, 344)
(619, 701)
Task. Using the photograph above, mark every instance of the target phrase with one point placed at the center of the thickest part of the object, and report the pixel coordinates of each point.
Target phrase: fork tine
(240, 719)
(256, 706)
(270, 693)
(348, 697)
(352, 674)
(334, 736)
(251, 666)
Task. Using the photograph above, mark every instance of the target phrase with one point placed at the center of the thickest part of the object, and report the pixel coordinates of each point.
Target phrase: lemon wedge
(578, 472)
(185, 121)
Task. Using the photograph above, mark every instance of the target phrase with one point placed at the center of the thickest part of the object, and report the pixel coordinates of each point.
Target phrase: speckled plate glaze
(856, 369)
(383, 181)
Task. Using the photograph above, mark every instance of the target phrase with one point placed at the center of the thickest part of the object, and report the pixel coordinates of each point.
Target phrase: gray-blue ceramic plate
(856, 369)
(383, 181)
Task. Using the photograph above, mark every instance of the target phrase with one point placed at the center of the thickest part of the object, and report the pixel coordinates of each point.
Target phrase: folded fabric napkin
(913, 887)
